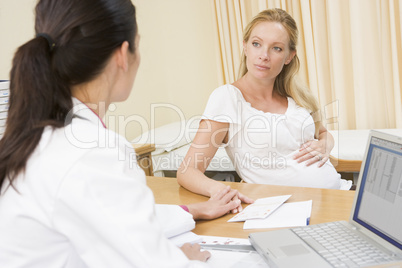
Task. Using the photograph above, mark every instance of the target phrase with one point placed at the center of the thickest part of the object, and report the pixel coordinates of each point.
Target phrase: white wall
(178, 64)
(16, 27)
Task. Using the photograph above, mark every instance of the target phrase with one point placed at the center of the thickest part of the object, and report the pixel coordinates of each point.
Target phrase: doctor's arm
(104, 202)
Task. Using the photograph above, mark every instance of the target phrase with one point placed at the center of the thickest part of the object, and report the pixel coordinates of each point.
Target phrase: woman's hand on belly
(312, 152)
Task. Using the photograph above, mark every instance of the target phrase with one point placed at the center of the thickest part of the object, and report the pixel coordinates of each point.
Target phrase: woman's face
(267, 50)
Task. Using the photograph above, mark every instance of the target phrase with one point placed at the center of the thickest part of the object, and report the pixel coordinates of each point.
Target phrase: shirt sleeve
(225, 106)
(107, 212)
(222, 106)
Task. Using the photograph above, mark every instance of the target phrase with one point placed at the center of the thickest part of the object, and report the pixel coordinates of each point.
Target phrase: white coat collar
(82, 110)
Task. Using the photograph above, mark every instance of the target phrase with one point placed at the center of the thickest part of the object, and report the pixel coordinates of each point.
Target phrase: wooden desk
(328, 205)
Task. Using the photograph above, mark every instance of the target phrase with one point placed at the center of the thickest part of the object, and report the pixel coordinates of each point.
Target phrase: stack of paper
(4, 95)
(271, 212)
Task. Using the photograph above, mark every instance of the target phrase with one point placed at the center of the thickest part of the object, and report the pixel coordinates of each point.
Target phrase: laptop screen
(379, 202)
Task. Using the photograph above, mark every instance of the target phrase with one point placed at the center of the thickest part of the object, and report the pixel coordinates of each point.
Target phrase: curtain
(350, 53)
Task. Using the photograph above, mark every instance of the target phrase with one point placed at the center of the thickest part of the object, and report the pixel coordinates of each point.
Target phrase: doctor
(70, 195)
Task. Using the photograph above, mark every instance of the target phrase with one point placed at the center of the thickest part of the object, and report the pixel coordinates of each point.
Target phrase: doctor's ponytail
(34, 90)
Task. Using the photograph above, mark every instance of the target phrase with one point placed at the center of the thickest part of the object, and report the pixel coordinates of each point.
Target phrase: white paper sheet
(287, 215)
(221, 240)
(261, 208)
(188, 237)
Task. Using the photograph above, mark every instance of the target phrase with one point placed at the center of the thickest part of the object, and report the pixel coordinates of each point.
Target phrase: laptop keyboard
(340, 246)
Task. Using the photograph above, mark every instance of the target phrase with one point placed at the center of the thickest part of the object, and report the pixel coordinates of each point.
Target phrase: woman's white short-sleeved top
(261, 145)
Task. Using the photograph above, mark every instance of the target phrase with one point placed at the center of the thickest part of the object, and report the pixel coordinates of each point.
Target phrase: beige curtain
(350, 53)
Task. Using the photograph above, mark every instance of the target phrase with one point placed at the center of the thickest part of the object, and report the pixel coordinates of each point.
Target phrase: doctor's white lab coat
(83, 202)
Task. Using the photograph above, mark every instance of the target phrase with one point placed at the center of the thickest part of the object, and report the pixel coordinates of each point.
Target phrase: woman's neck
(93, 95)
(257, 87)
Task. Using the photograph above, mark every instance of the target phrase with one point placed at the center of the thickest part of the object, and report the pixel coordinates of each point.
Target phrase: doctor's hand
(220, 203)
(313, 152)
(193, 252)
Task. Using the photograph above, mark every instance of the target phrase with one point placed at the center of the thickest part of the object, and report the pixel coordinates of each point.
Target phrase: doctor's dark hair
(74, 41)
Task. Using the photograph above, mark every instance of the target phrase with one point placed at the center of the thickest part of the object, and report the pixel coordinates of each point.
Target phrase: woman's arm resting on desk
(316, 150)
(190, 175)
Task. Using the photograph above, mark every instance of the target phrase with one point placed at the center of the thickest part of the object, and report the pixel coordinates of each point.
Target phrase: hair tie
(50, 41)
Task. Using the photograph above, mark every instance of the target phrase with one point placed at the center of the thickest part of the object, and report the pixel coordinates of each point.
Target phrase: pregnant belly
(298, 174)
(292, 173)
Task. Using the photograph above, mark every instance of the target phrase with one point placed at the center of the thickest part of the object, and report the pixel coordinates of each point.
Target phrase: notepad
(261, 208)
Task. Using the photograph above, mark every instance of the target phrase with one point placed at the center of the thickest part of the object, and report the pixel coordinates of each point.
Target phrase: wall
(16, 27)
(178, 67)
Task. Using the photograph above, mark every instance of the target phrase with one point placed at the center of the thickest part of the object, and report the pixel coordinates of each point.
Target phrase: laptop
(374, 228)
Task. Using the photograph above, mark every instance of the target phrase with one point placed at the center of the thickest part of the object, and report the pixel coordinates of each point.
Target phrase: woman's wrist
(194, 209)
(328, 141)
